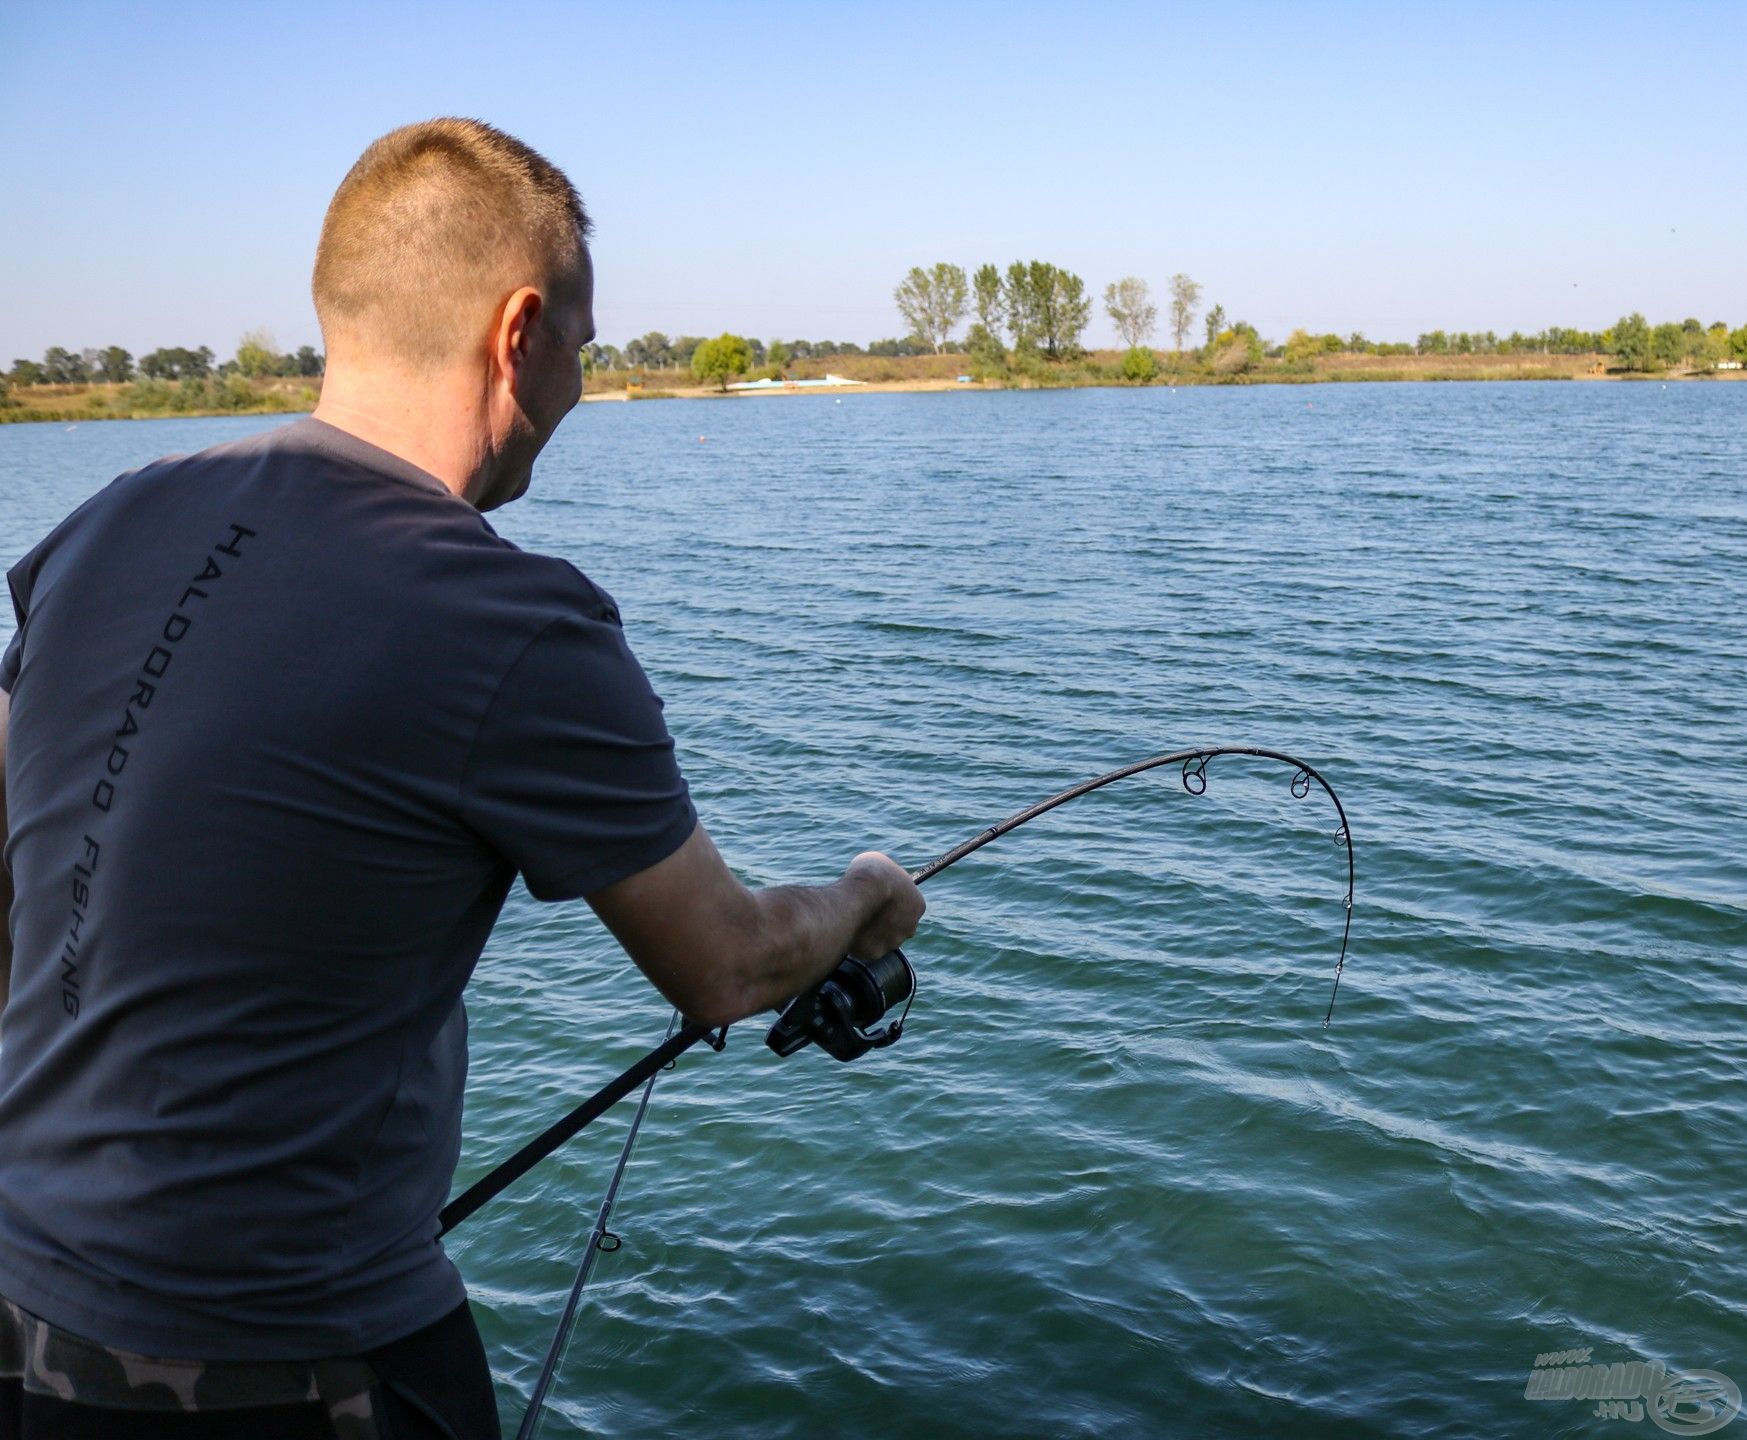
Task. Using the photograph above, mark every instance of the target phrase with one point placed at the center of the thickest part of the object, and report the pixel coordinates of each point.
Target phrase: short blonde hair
(434, 226)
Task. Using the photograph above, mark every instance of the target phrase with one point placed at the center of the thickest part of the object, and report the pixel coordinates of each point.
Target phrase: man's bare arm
(720, 952)
(5, 874)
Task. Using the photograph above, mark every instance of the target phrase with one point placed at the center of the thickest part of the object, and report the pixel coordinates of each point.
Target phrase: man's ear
(515, 332)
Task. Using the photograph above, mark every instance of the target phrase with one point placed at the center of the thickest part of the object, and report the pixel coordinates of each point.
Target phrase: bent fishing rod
(837, 1013)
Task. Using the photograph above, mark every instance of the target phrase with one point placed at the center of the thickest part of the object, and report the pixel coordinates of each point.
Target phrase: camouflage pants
(48, 1361)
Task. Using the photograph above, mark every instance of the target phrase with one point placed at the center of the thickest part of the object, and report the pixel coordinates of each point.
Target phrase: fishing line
(836, 1014)
(601, 1241)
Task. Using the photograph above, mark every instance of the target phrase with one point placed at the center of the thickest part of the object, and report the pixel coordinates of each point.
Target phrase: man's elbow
(728, 990)
(713, 1011)
(735, 982)
(712, 999)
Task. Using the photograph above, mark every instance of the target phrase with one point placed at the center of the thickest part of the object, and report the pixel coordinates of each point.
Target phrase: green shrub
(1028, 364)
(1140, 364)
(148, 395)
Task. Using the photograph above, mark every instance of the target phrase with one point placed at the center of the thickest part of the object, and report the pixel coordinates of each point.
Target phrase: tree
(1046, 307)
(1629, 340)
(1018, 307)
(1067, 313)
(1215, 324)
(1185, 297)
(26, 372)
(257, 354)
(309, 361)
(114, 365)
(1668, 343)
(909, 345)
(177, 363)
(1693, 341)
(61, 366)
(1131, 307)
(987, 285)
(682, 349)
(721, 359)
(822, 349)
(778, 354)
(933, 302)
(652, 351)
(1714, 347)
(984, 337)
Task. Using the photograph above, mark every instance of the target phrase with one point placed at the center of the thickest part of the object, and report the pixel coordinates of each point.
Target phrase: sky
(774, 169)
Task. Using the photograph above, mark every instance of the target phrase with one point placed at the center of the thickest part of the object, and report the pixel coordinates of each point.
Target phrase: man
(286, 719)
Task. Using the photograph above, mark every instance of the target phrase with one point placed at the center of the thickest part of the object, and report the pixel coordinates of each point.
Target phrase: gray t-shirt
(288, 717)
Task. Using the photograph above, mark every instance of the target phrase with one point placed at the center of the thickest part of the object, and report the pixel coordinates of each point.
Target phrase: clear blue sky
(773, 169)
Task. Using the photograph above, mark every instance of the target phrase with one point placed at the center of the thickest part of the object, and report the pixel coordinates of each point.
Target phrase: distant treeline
(109, 383)
(1038, 309)
(1632, 342)
(656, 351)
(256, 357)
(1028, 322)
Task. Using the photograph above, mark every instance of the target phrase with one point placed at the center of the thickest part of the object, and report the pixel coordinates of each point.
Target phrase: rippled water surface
(1117, 1179)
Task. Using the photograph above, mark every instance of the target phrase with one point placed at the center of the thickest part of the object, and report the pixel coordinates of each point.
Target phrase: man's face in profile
(552, 383)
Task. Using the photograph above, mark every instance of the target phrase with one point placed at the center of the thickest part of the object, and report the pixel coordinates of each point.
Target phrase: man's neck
(431, 422)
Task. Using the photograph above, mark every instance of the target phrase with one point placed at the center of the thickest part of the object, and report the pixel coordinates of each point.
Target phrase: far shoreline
(1099, 370)
(70, 415)
(941, 387)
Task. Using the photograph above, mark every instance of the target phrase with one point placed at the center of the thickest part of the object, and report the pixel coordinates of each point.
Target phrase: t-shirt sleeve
(572, 775)
(11, 660)
(14, 656)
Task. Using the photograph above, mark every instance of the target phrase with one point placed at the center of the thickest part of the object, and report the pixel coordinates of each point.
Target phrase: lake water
(1117, 1179)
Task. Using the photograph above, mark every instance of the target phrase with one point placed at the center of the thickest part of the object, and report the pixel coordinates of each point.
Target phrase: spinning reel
(837, 1013)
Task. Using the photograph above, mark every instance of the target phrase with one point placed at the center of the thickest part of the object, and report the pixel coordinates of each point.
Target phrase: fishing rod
(837, 1011)
(836, 1014)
